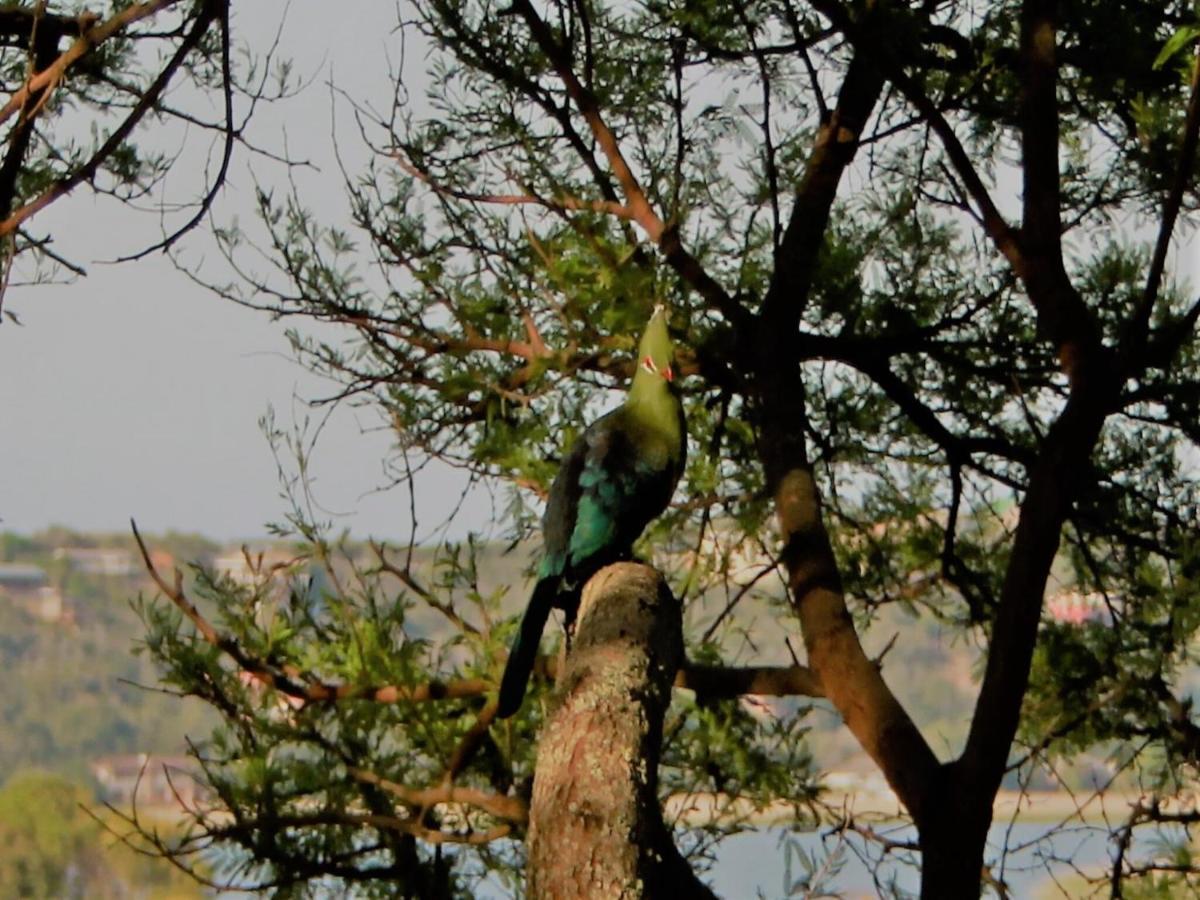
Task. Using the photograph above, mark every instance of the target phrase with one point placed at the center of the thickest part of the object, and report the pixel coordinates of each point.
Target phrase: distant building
(147, 779)
(1073, 607)
(26, 586)
(22, 576)
(111, 561)
(163, 561)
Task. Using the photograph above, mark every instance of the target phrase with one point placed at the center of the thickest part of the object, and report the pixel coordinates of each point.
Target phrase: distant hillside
(70, 676)
(67, 647)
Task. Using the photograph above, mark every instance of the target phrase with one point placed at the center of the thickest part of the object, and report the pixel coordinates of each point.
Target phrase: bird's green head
(655, 352)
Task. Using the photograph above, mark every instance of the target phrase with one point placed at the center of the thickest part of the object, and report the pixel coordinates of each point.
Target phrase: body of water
(769, 862)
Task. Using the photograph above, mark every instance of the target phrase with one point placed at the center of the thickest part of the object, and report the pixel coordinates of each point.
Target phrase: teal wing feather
(621, 488)
(563, 502)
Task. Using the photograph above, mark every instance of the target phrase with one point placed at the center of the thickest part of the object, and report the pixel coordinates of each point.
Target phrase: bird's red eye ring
(649, 366)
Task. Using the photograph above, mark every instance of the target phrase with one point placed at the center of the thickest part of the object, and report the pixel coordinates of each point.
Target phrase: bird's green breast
(654, 425)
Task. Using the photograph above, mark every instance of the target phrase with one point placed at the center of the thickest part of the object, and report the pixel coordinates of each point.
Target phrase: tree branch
(91, 36)
(847, 676)
(1000, 232)
(91, 39)
(723, 682)
(1035, 252)
(42, 37)
(557, 204)
(1061, 467)
(511, 809)
(229, 132)
(664, 235)
(1139, 327)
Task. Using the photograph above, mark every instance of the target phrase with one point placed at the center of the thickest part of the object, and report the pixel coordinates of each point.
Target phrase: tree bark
(595, 825)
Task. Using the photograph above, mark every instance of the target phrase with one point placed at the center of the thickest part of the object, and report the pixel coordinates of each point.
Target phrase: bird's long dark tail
(524, 650)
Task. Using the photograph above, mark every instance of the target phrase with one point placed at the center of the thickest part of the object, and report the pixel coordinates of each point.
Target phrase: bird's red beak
(669, 373)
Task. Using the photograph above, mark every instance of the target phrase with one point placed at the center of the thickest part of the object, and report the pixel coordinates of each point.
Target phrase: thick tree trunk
(950, 866)
(595, 826)
(953, 837)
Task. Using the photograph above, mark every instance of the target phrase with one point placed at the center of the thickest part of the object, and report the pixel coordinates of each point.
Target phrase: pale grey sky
(134, 392)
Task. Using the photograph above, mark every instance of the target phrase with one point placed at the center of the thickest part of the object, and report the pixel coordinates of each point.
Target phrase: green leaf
(1180, 39)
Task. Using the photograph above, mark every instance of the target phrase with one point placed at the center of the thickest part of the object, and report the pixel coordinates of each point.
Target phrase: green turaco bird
(618, 476)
